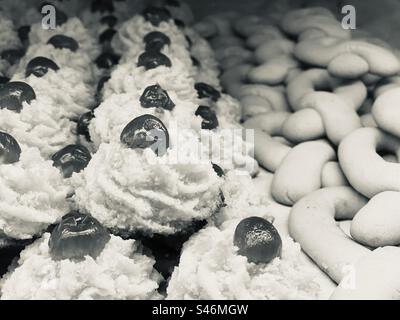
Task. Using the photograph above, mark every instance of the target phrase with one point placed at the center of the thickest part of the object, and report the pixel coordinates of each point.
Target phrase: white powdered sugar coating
(118, 110)
(210, 268)
(136, 190)
(32, 195)
(38, 125)
(121, 271)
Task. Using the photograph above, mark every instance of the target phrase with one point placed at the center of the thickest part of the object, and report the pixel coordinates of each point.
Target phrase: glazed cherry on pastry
(218, 170)
(146, 131)
(106, 36)
(23, 33)
(76, 236)
(110, 21)
(14, 94)
(10, 150)
(258, 240)
(156, 15)
(156, 40)
(156, 97)
(210, 120)
(60, 41)
(39, 66)
(83, 124)
(102, 6)
(153, 59)
(12, 56)
(204, 90)
(106, 60)
(72, 158)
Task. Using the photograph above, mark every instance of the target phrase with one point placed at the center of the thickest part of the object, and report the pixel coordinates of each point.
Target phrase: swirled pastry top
(32, 195)
(121, 271)
(133, 190)
(210, 268)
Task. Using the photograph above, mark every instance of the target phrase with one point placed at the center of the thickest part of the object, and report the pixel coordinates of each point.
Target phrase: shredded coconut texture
(121, 271)
(210, 268)
(136, 190)
(32, 195)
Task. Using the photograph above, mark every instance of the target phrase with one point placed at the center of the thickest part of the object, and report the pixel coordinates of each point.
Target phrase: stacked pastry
(34, 194)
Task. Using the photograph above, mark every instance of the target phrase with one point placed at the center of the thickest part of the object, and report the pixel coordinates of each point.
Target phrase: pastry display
(148, 153)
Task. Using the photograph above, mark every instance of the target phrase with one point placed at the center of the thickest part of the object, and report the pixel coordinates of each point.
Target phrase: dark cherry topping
(106, 60)
(72, 158)
(218, 170)
(76, 236)
(204, 90)
(258, 240)
(146, 131)
(10, 150)
(60, 41)
(156, 40)
(210, 120)
(23, 33)
(14, 94)
(156, 97)
(153, 59)
(39, 67)
(156, 15)
(106, 36)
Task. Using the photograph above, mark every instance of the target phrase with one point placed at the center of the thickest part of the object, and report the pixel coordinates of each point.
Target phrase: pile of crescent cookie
(324, 103)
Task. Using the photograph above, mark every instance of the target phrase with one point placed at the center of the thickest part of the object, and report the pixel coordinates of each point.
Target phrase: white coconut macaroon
(138, 185)
(80, 260)
(33, 195)
(211, 267)
(33, 120)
